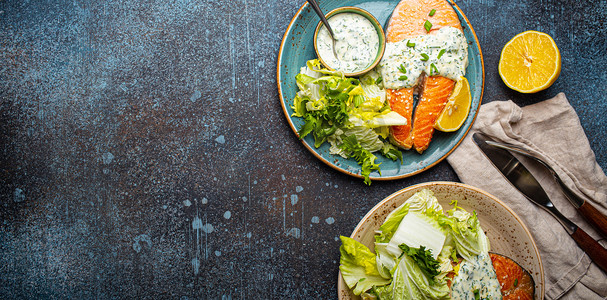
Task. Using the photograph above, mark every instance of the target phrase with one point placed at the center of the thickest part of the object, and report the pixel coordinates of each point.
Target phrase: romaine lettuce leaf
(364, 157)
(408, 282)
(335, 107)
(467, 236)
(357, 266)
(416, 230)
(387, 229)
(367, 138)
(455, 233)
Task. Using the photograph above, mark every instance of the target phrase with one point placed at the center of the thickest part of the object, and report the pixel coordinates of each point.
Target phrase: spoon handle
(316, 8)
(595, 251)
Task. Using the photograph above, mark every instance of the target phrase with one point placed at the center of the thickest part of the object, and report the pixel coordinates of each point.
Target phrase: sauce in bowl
(358, 42)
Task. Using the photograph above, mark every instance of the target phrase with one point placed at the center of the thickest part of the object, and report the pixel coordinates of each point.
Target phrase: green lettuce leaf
(409, 282)
(422, 285)
(422, 201)
(371, 83)
(389, 226)
(390, 151)
(357, 266)
(334, 107)
(417, 230)
(467, 236)
(364, 157)
(420, 271)
(385, 260)
(366, 137)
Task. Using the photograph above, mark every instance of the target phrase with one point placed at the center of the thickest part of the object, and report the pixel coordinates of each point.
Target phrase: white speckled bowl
(506, 232)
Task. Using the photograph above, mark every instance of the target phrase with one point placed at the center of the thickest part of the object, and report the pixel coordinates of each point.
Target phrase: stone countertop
(145, 153)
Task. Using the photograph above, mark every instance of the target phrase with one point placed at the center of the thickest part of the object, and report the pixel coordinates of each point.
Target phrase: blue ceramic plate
(297, 47)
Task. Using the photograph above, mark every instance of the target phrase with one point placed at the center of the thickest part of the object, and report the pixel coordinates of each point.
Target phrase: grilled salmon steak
(410, 19)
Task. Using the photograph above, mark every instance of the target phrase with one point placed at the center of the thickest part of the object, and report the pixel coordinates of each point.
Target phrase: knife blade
(592, 215)
(520, 177)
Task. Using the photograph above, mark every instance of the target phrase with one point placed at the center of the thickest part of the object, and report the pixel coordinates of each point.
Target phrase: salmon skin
(407, 21)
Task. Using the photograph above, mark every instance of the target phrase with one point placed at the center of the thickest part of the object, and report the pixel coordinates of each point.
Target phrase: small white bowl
(378, 28)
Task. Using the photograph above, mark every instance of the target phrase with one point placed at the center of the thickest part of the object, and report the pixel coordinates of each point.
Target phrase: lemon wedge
(456, 110)
(530, 62)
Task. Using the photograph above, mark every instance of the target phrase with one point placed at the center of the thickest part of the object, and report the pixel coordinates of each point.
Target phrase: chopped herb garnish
(442, 51)
(427, 25)
(432, 12)
(410, 44)
(403, 77)
(477, 294)
(515, 282)
(378, 80)
(402, 69)
(425, 57)
(424, 259)
(433, 69)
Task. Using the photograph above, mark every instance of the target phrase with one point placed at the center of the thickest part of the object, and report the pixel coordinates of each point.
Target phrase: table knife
(520, 177)
(587, 210)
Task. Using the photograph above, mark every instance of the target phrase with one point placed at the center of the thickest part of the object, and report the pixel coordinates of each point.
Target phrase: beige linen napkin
(551, 129)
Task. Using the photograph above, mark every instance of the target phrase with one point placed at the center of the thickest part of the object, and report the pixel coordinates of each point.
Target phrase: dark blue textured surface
(144, 152)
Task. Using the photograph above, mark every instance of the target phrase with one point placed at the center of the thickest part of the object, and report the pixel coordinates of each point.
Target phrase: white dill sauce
(356, 45)
(476, 279)
(444, 53)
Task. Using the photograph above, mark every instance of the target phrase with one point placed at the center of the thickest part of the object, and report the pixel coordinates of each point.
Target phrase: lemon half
(530, 62)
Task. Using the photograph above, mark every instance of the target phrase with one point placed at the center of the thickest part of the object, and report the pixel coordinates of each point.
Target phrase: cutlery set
(499, 154)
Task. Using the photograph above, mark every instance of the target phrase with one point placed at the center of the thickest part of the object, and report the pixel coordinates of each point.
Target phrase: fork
(589, 212)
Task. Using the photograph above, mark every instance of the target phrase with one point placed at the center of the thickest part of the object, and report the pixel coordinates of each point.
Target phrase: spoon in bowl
(316, 8)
